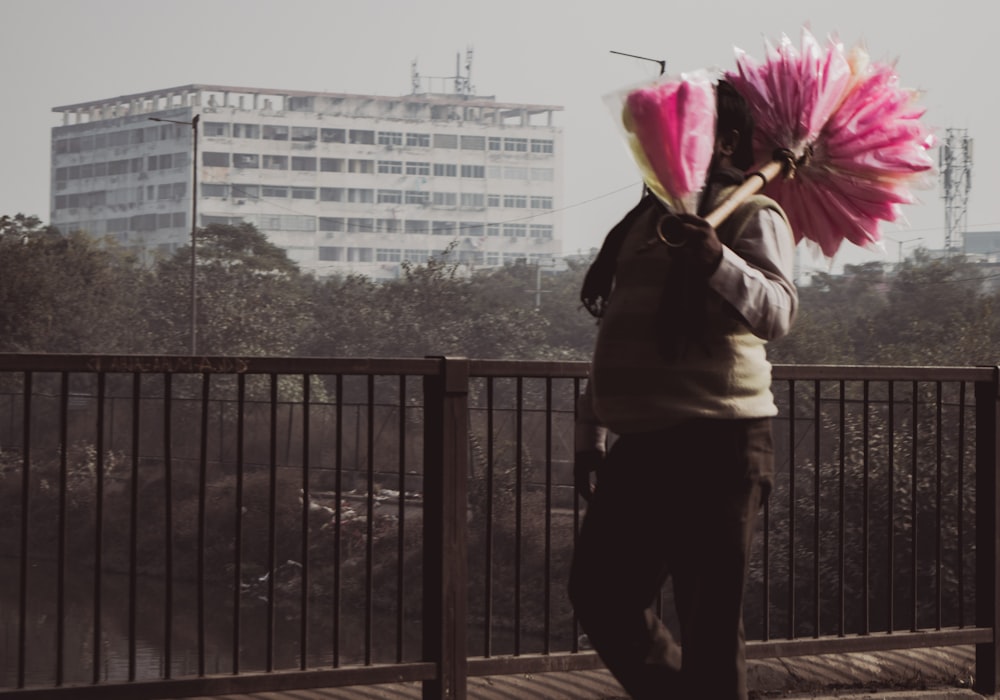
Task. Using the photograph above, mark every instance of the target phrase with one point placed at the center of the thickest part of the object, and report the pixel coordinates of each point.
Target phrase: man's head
(733, 129)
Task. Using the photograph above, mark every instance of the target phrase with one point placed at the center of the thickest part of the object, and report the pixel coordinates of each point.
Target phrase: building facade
(346, 184)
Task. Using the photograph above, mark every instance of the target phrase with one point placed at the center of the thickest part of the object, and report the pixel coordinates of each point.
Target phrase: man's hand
(584, 464)
(696, 240)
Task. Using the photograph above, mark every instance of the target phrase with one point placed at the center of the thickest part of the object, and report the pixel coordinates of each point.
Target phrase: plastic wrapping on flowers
(669, 126)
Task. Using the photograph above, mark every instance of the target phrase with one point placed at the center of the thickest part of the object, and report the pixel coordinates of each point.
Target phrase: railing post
(446, 440)
(987, 532)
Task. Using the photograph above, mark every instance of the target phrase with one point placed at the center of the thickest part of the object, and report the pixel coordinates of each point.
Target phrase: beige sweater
(725, 375)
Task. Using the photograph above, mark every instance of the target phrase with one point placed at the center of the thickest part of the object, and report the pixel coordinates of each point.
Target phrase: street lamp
(900, 244)
(194, 222)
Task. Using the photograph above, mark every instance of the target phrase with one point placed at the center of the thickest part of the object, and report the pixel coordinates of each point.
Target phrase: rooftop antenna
(414, 77)
(661, 61)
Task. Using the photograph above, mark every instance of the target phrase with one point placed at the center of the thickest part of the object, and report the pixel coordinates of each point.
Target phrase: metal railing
(202, 526)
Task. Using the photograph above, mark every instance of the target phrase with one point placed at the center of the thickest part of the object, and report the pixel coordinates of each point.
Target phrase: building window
(515, 172)
(246, 131)
(212, 159)
(359, 255)
(390, 167)
(542, 232)
(364, 167)
(356, 225)
(388, 225)
(515, 145)
(390, 197)
(245, 192)
(473, 229)
(271, 191)
(515, 201)
(417, 168)
(361, 136)
(444, 228)
(274, 132)
(416, 256)
(445, 170)
(477, 171)
(303, 164)
(329, 253)
(331, 223)
(416, 197)
(246, 160)
(445, 199)
(542, 174)
(360, 196)
(493, 200)
(473, 143)
(304, 193)
(331, 194)
(333, 135)
(492, 229)
(445, 140)
(331, 165)
(275, 162)
(418, 140)
(541, 202)
(303, 133)
(475, 200)
(515, 230)
(416, 226)
(215, 128)
(541, 145)
(388, 254)
(213, 190)
(390, 138)
(495, 143)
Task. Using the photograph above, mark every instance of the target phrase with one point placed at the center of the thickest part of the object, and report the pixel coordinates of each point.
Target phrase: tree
(66, 293)
(251, 299)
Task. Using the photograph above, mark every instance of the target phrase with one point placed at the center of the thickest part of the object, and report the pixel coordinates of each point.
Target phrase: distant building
(983, 245)
(344, 183)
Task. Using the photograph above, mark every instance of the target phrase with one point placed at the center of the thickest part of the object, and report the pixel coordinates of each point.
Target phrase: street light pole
(194, 223)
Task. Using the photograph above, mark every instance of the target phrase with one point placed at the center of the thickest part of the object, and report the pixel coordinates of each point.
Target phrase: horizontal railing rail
(218, 525)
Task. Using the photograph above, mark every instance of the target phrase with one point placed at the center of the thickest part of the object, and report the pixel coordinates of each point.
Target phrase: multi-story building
(344, 183)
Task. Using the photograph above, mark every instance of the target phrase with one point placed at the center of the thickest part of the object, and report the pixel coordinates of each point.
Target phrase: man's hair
(733, 113)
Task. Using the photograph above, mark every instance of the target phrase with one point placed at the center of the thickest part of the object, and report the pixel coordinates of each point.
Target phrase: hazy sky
(59, 52)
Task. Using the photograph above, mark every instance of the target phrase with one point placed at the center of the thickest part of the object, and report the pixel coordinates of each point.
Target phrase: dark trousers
(680, 504)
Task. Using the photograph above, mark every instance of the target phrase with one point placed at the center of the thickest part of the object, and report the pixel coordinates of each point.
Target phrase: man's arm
(755, 275)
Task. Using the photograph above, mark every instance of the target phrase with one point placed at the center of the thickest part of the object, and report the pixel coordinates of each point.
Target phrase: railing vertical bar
(306, 496)
(134, 526)
(241, 387)
(575, 645)
(547, 597)
(370, 519)
(939, 506)
(22, 628)
(841, 516)
(987, 681)
(99, 528)
(817, 458)
(206, 381)
(914, 510)
(890, 506)
(791, 510)
(272, 526)
(866, 508)
(519, 483)
(168, 525)
(401, 521)
(960, 504)
(338, 487)
(488, 593)
(61, 562)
